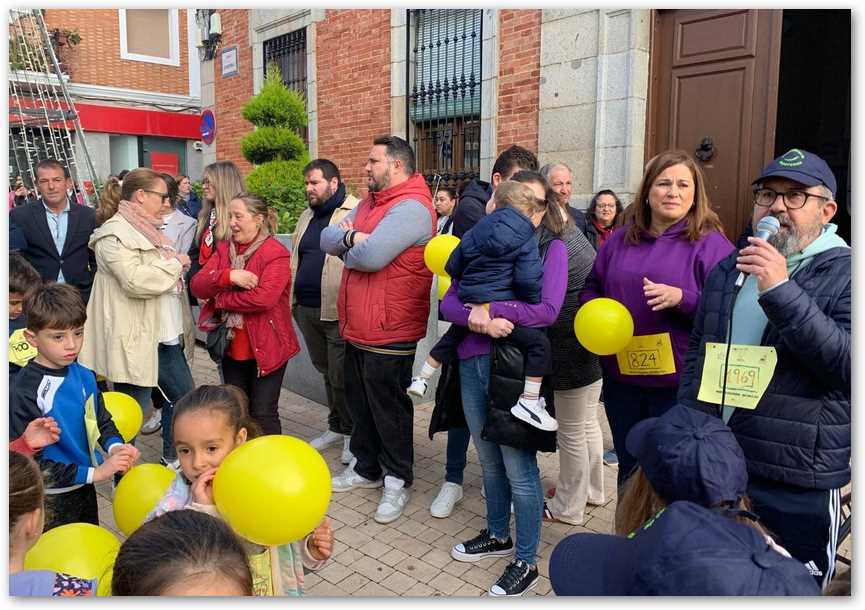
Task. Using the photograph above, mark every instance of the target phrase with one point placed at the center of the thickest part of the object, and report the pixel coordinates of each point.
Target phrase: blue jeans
(510, 475)
(626, 405)
(458, 445)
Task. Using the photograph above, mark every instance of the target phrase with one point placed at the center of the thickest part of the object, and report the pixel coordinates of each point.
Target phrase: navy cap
(685, 550)
(803, 167)
(689, 455)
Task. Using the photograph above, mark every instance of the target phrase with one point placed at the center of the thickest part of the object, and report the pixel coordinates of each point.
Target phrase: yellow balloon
(78, 549)
(444, 282)
(126, 413)
(273, 489)
(138, 493)
(437, 252)
(604, 326)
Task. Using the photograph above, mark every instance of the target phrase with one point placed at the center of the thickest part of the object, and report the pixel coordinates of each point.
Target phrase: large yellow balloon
(126, 413)
(437, 252)
(78, 549)
(604, 326)
(444, 282)
(273, 490)
(138, 493)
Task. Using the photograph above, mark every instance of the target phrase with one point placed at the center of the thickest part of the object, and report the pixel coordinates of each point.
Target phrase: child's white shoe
(418, 387)
(535, 415)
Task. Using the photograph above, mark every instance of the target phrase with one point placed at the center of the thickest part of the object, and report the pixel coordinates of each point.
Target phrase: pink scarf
(148, 226)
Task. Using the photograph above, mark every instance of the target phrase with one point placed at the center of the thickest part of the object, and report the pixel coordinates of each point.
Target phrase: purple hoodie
(668, 259)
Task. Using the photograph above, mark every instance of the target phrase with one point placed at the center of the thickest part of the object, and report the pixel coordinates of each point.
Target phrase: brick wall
(233, 92)
(353, 76)
(519, 78)
(96, 59)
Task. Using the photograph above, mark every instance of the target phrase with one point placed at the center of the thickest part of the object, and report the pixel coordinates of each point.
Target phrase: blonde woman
(221, 182)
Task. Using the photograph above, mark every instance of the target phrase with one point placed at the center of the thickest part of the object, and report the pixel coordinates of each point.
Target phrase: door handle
(706, 149)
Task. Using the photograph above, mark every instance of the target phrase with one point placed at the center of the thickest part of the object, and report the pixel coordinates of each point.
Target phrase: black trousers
(382, 412)
(533, 343)
(76, 506)
(804, 521)
(263, 392)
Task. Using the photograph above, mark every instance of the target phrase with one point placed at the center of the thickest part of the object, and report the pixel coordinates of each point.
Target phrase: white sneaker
(418, 387)
(154, 422)
(348, 479)
(449, 496)
(393, 500)
(325, 440)
(535, 415)
(347, 455)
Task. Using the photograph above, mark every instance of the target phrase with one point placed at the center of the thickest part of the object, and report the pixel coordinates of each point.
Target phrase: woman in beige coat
(134, 330)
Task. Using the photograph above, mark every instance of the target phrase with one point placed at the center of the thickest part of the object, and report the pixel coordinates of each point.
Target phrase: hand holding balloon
(320, 542)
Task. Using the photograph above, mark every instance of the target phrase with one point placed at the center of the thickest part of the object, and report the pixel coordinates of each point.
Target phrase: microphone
(766, 228)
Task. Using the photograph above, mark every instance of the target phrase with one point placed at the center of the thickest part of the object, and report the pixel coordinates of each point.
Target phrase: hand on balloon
(202, 488)
(41, 432)
(130, 450)
(320, 541)
(499, 328)
(661, 296)
(479, 318)
(119, 461)
(243, 279)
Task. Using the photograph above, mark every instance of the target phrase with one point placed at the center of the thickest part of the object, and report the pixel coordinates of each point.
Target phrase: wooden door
(713, 93)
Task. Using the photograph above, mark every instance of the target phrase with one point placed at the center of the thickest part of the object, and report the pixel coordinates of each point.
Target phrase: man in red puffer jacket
(383, 308)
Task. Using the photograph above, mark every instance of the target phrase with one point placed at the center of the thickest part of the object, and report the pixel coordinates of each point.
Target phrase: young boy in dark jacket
(498, 260)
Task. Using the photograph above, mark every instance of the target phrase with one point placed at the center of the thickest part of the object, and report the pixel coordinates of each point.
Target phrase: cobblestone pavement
(411, 556)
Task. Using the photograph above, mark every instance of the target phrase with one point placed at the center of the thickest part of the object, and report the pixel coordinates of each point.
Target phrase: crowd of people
(729, 408)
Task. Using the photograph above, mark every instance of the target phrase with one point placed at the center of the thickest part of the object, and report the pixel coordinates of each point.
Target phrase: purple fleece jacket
(539, 315)
(669, 259)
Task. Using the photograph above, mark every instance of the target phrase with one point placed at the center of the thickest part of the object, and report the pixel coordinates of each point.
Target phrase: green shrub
(280, 184)
(270, 143)
(276, 104)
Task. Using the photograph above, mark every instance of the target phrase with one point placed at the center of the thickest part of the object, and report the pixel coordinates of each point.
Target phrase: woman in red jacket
(246, 283)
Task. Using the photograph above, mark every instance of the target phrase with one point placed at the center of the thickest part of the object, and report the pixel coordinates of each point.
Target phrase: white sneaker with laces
(347, 455)
(325, 440)
(449, 496)
(535, 415)
(153, 423)
(418, 387)
(394, 497)
(348, 479)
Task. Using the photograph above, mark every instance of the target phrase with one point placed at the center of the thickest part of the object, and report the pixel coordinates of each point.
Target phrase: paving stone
(446, 583)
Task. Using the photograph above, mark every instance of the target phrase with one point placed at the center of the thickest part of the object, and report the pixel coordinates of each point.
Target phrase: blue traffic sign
(207, 127)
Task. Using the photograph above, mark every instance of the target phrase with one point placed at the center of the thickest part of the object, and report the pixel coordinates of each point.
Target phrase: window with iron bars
(444, 100)
(288, 53)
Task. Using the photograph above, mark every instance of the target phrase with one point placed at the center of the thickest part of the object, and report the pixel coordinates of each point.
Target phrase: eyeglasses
(163, 196)
(605, 206)
(794, 199)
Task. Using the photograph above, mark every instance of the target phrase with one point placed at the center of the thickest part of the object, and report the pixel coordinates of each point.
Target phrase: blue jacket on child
(498, 260)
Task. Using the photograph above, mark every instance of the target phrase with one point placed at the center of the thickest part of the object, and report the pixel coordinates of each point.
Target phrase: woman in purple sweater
(509, 474)
(655, 265)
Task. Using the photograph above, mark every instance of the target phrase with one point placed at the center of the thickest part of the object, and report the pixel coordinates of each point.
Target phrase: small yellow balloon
(437, 252)
(444, 282)
(604, 326)
(137, 494)
(126, 413)
(78, 549)
(273, 489)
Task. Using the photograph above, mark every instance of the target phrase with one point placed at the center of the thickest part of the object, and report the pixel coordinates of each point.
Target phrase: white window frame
(173, 41)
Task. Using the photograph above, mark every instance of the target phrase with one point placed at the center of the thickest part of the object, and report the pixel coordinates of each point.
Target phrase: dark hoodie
(471, 207)
(498, 260)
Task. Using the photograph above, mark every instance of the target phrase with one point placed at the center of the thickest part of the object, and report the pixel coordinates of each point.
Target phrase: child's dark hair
(26, 491)
(178, 547)
(227, 399)
(22, 276)
(54, 305)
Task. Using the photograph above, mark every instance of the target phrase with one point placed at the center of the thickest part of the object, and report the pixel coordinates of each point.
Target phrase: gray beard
(790, 241)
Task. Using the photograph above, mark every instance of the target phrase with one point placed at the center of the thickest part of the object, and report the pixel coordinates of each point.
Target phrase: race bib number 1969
(749, 371)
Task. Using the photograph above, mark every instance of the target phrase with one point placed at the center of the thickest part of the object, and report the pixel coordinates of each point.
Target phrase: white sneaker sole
(475, 557)
(523, 415)
(385, 520)
(148, 431)
(526, 590)
(411, 392)
(370, 485)
(443, 514)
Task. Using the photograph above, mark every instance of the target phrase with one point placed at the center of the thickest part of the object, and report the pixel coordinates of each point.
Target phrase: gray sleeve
(330, 241)
(406, 224)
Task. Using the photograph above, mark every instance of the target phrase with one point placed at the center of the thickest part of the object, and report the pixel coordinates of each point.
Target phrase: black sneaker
(482, 546)
(517, 579)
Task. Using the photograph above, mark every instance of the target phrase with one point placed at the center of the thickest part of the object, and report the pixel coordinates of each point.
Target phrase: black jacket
(472, 206)
(799, 434)
(77, 260)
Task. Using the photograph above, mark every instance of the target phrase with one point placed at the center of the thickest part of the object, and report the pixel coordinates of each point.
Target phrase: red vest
(390, 305)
